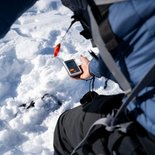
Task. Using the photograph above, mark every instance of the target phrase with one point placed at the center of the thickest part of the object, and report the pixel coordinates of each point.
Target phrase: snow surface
(28, 71)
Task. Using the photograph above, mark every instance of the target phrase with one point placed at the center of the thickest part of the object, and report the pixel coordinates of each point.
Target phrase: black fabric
(145, 96)
(137, 141)
(88, 97)
(75, 5)
(73, 125)
(70, 131)
(103, 104)
(10, 10)
(126, 143)
(79, 7)
(147, 141)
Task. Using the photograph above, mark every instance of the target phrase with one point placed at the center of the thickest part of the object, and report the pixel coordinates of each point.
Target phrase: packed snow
(28, 71)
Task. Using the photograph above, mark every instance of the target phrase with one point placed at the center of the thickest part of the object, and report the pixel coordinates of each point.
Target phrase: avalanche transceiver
(72, 68)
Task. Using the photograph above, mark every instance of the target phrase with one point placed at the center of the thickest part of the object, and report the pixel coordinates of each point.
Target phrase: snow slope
(28, 71)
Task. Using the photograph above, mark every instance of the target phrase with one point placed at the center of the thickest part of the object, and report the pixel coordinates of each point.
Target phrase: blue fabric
(96, 69)
(10, 10)
(134, 22)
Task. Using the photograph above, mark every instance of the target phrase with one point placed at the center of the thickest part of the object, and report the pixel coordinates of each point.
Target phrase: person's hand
(85, 68)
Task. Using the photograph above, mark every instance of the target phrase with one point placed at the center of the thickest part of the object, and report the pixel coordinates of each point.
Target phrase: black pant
(71, 128)
(73, 125)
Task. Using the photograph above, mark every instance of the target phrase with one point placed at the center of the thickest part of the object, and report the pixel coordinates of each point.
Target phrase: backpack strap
(110, 40)
(146, 96)
(96, 26)
(105, 123)
(96, 22)
(101, 2)
(148, 79)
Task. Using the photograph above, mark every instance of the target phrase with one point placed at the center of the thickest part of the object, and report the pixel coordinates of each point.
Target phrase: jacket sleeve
(98, 68)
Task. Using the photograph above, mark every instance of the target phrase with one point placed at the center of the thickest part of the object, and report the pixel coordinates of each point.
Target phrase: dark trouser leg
(71, 129)
(68, 131)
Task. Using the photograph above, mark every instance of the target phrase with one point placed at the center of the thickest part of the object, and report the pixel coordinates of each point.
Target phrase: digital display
(73, 68)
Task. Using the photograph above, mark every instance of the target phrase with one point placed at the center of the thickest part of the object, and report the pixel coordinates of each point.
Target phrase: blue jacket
(134, 22)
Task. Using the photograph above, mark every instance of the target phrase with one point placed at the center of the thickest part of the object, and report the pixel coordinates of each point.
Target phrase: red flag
(57, 49)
